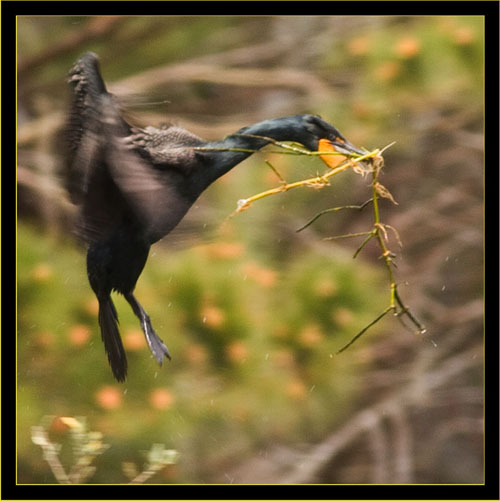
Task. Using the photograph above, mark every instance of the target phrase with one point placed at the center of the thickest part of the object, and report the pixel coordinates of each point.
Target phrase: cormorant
(134, 185)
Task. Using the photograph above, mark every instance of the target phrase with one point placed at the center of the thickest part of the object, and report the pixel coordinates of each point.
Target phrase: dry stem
(378, 231)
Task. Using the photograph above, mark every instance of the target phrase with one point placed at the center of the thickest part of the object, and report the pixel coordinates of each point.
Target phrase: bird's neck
(236, 147)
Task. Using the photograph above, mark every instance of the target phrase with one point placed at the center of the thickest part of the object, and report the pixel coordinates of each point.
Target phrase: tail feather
(108, 321)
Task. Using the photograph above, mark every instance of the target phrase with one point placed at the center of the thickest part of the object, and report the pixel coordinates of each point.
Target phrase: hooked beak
(344, 146)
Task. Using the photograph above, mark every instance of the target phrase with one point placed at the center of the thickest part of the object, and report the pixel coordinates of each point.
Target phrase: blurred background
(252, 311)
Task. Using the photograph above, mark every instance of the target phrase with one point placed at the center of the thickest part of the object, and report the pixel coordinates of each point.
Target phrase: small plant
(372, 163)
(86, 445)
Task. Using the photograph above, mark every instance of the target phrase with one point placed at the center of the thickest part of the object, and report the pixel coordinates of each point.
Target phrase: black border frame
(9, 489)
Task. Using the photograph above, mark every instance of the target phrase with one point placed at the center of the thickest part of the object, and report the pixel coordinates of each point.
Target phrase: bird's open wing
(83, 133)
(117, 172)
(154, 195)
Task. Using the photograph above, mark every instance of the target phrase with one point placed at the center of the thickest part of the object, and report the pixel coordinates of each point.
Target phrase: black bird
(134, 185)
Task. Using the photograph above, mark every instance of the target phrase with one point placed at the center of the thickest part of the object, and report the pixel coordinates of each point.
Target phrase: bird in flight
(133, 186)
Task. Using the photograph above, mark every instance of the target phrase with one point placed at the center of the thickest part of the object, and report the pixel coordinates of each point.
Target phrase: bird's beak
(339, 146)
(344, 146)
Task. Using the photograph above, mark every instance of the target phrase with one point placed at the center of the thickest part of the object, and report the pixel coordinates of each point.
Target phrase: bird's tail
(108, 321)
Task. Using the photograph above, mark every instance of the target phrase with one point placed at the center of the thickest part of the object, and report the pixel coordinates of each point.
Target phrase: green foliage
(417, 63)
(249, 341)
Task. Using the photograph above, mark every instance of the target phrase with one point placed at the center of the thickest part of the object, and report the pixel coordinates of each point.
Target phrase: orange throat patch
(332, 161)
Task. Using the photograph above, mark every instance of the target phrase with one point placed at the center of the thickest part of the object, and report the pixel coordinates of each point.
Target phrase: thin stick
(349, 235)
(334, 209)
(316, 182)
(364, 329)
(281, 178)
(406, 311)
(363, 243)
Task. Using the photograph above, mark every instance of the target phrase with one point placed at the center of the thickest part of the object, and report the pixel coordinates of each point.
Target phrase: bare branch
(307, 469)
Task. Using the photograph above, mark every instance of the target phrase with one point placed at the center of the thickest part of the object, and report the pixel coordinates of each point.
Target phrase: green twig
(406, 311)
(362, 331)
(280, 177)
(371, 234)
(349, 235)
(334, 209)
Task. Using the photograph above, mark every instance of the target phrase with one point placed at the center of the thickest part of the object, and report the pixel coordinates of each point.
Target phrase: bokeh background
(252, 311)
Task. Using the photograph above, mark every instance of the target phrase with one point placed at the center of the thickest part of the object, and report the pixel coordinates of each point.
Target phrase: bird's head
(323, 137)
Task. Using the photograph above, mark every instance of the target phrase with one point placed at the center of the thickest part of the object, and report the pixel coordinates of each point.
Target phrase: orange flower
(161, 398)
(92, 306)
(41, 272)
(196, 353)
(237, 351)
(79, 334)
(325, 287)
(212, 316)
(263, 276)
(284, 358)
(311, 335)
(343, 316)
(408, 47)
(224, 250)
(109, 397)
(387, 71)
(134, 340)
(464, 35)
(296, 389)
(58, 425)
(359, 46)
